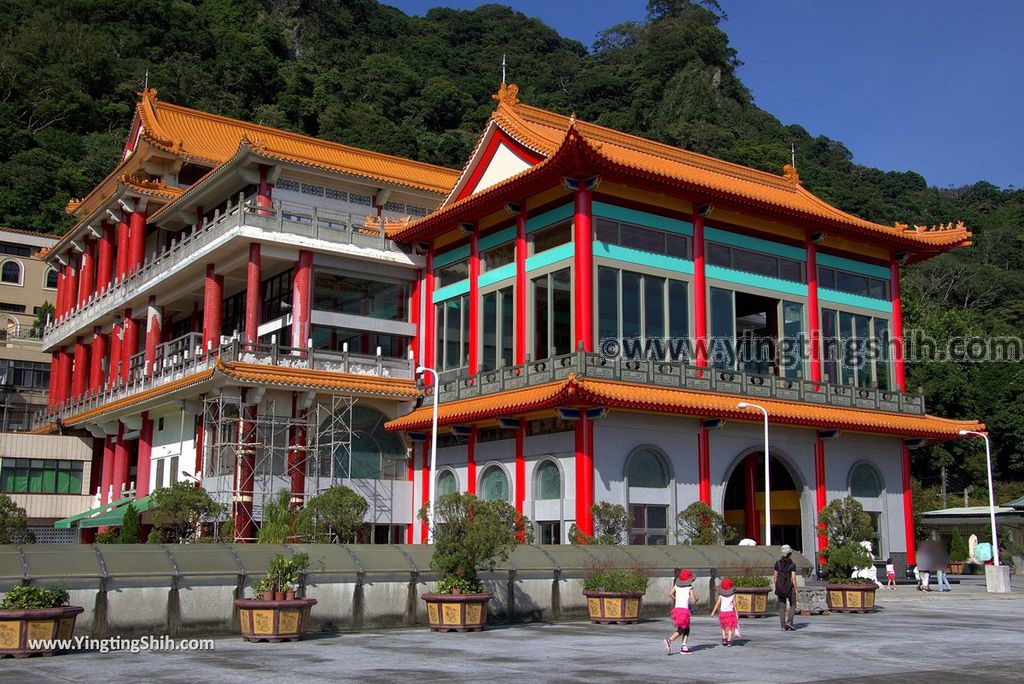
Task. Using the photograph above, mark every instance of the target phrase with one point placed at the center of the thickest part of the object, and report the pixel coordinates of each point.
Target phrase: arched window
(51, 279)
(376, 453)
(11, 272)
(548, 481)
(494, 485)
(647, 468)
(864, 482)
(446, 483)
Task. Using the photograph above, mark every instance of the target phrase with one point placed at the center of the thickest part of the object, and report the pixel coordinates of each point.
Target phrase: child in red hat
(684, 596)
(727, 618)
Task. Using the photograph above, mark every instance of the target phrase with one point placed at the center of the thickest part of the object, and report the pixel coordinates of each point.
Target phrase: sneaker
(724, 642)
(668, 647)
(729, 644)
(684, 649)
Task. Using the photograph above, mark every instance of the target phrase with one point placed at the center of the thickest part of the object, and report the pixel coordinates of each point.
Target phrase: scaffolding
(252, 452)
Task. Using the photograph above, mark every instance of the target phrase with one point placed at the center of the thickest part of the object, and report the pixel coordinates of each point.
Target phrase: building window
(551, 237)
(452, 332)
(12, 308)
(494, 484)
(375, 453)
(641, 238)
(855, 349)
(648, 524)
(498, 329)
(853, 283)
(496, 257)
(10, 273)
(359, 341)
(446, 483)
(648, 469)
(40, 476)
(24, 374)
(277, 291)
(51, 279)
(552, 314)
(340, 293)
(651, 309)
(452, 273)
(548, 481)
(15, 250)
(864, 482)
(550, 532)
(755, 262)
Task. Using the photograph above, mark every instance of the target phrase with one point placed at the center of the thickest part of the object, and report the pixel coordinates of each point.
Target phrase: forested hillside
(365, 74)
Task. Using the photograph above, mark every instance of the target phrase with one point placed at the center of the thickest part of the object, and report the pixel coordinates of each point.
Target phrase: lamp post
(433, 455)
(991, 494)
(767, 481)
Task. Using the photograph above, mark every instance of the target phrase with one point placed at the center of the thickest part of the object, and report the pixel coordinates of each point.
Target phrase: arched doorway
(744, 501)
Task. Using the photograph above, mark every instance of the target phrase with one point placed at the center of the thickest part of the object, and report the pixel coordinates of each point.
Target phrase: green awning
(67, 523)
(115, 517)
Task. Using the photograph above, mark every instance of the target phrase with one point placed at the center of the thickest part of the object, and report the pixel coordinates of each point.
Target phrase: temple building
(249, 305)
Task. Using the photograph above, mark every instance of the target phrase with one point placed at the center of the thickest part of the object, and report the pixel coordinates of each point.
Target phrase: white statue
(870, 572)
(747, 542)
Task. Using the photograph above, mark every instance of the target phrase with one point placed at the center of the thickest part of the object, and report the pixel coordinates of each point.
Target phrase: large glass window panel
(452, 273)
(549, 481)
(561, 299)
(341, 293)
(678, 321)
(465, 332)
(827, 278)
(631, 298)
(852, 283)
(552, 236)
(755, 262)
(723, 329)
(497, 257)
(541, 317)
(847, 366)
(446, 483)
(607, 231)
(654, 306)
(607, 303)
(647, 469)
(494, 485)
(507, 337)
(791, 270)
(677, 246)
(882, 342)
(489, 357)
(643, 239)
(792, 330)
(718, 255)
(862, 335)
(830, 345)
(864, 482)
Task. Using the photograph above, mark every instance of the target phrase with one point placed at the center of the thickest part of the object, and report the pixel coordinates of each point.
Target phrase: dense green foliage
(846, 526)
(28, 598)
(611, 525)
(179, 511)
(751, 581)
(616, 580)
(13, 523)
(335, 514)
(700, 524)
(365, 74)
(958, 551)
(131, 526)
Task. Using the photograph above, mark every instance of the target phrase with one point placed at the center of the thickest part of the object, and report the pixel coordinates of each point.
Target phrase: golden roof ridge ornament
(508, 95)
(790, 174)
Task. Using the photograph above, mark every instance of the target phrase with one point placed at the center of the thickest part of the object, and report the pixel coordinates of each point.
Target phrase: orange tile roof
(546, 133)
(158, 189)
(215, 139)
(582, 391)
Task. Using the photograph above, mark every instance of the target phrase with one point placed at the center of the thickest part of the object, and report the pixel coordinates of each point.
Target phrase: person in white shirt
(683, 595)
(725, 606)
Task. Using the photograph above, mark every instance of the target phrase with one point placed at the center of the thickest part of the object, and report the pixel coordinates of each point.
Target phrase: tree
(280, 523)
(958, 551)
(178, 511)
(611, 525)
(14, 523)
(702, 525)
(45, 313)
(336, 514)
(845, 522)
(131, 529)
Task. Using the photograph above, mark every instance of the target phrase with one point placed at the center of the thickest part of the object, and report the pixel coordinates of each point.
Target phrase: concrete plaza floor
(964, 635)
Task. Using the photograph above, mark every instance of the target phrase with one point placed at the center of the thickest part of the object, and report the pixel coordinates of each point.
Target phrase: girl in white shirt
(684, 596)
(724, 606)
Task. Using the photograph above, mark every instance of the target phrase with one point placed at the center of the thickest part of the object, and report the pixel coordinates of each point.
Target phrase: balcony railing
(184, 356)
(337, 228)
(458, 384)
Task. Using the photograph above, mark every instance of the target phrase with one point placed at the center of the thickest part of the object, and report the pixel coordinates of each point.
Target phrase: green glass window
(647, 468)
(721, 351)
(549, 481)
(38, 476)
(864, 482)
(631, 304)
(494, 485)
(552, 314)
(446, 483)
(792, 332)
(551, 237)
(607, 303)
(376, 454)
(452, 332)
(498, 332)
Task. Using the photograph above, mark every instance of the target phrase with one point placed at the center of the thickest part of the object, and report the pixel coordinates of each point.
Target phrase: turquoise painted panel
(551, 256)
(755, 280)
(498, 274)
(873, 270)
(548, 217)
(642, 218)
(453, 290)
(641, 258)
(835, 297)
(499, 238)
(451, 256)
(754, 244)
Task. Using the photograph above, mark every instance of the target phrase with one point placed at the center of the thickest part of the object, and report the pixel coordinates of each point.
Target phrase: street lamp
(991, 495)
(433, 454)
(767, 482)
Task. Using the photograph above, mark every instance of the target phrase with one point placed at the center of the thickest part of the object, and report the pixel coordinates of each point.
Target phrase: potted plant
(613, 595)
(32, 614)
(846, 525)
(751, 595)
(469, 535)
(958, 553)
(275, 614)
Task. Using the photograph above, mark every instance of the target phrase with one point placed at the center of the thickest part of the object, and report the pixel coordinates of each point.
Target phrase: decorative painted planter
(851, 598)
(614, 607)
(956, 568)
(18, 628)
(751, 601)
(273, 620)
(457, 612)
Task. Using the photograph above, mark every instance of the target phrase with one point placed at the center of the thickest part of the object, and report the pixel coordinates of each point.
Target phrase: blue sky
(934, 86)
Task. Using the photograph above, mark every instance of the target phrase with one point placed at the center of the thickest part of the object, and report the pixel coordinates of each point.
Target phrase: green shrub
(14, 523)
(611, 525)
(111, 536)
(25, 598)
(131, 527)
(842, 560)
(702, 525)
(751, 581)
(616, 580)
(958, 552)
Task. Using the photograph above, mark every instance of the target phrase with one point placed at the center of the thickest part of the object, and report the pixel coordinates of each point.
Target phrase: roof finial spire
(792, 154)
(145, 83)
(503, 81)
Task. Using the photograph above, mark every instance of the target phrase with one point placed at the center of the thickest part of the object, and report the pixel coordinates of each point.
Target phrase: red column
(81, 372)
(107, 473)
(72, 284)
(425, 483)
(51, 397)
(474, 302)
(58, 305)
(86, 281)
(414, 318)
(99, 352)
(120, 480)
(908, 508)
(584, 263)
(198, 472)
(123, 248)
(753, 519)
(700, 293)
(897, 326)
(297, 454)
(429, 334)
(584, 475)
(105, 258)
(520, 473)
(154, 323)
(143, 456)
(245, 530)
(114, 360)
(136, 240)
(253, 298)
(471, 461)
(129, 344)
(213, 298)
(64, 382)
(813, 321)
(704, 464)
(301, 302)
(819, 490)
(264, 192)
(520, 291)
